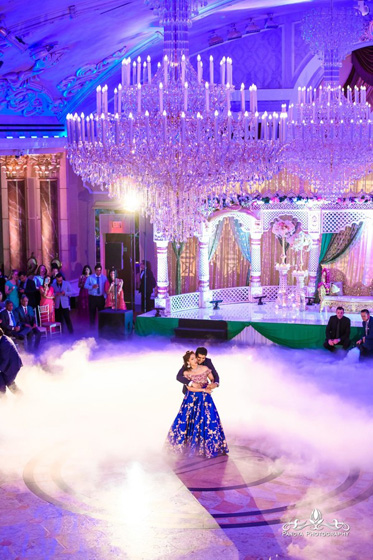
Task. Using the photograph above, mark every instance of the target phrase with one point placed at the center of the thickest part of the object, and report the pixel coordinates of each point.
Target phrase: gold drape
(188, 267)
(271, 254)
(228, 268)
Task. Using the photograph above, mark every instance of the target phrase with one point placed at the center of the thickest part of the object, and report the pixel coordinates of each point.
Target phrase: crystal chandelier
(330, 134)
(173, 135)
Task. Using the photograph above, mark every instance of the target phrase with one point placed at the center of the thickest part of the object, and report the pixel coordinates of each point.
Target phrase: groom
(201, 355)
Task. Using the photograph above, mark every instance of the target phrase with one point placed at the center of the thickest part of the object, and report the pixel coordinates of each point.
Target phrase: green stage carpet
(292, 335)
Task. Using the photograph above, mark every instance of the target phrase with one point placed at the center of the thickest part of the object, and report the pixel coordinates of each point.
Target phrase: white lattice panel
(268, 216)
(184, 301)
(232, 295)
(334, 221)
(270, 292)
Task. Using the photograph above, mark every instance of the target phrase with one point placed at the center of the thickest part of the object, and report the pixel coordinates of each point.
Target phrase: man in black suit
(9, 321)
(27, 287)
(201, 355)
(365, 344)
(26, 319)
(10, 364)
(338, 331)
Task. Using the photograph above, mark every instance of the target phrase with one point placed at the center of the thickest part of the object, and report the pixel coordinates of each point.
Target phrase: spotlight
(362, 7)
(215, 39)
(233, 33)
(252, 27)
(269, 23)
(131, 201)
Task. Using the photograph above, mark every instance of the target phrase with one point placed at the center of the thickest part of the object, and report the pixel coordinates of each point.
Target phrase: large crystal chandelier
(173, 135)
(330, 133)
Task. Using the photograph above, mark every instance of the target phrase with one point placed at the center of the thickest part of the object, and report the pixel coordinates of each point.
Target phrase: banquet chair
(51, 327)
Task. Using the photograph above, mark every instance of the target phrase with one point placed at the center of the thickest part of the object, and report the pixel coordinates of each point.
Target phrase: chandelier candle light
(174, 135)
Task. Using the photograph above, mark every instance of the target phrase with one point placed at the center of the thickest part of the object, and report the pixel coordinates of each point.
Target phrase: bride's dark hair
(186, 358)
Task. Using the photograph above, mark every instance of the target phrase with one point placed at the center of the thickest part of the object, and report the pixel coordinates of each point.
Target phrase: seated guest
(338, 331)
(9, 321)
(27, 322)
(62, 292)
(365, 344)
(27, 287)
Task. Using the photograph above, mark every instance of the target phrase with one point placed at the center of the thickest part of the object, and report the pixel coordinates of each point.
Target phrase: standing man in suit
(338, 331)
(365, 344)
(27, 287)
(62, 293)
(201, 355)
(95, 284)
(26, 319)
(10, 364)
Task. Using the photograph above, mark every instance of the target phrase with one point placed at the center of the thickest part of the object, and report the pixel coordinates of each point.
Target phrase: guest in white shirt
(95, 284)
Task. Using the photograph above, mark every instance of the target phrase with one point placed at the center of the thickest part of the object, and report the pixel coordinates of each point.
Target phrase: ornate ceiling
(52, 60)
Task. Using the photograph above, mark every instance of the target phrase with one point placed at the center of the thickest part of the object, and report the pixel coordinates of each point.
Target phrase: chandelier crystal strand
(173, 134)
(331, 138)
(330, 133)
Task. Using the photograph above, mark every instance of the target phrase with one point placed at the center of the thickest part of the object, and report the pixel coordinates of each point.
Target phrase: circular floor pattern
(246, 489)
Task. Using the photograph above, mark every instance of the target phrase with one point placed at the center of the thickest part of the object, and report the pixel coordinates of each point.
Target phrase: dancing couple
(197, 429)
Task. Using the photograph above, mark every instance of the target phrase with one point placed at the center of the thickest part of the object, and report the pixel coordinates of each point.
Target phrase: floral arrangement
(301, 242)
(283, 228)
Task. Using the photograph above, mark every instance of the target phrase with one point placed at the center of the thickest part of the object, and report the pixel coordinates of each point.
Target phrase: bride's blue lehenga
(197, 429)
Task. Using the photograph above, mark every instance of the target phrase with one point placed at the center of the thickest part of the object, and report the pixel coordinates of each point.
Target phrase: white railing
(240, 294)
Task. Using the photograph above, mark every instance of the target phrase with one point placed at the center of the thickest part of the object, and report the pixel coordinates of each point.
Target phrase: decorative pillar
(204, 268)
(313, 263)
(14, 214)
(162, 298)
(255, 271)
(315, 232)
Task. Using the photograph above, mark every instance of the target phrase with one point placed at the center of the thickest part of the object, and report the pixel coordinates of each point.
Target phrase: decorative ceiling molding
(15, 166)
(46, 166)
(86, 74)
(23, 92)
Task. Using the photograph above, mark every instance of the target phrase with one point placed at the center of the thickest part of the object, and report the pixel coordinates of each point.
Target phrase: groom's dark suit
(185, 381)
(338, 328)
(10, 362)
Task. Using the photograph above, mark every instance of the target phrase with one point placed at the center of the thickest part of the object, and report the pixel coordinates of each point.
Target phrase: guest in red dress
(47, 297)
(83, 309)
(110, 291)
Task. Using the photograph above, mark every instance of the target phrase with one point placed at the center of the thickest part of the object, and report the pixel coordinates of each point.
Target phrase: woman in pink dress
(83, 310)
(47, 297)
(110, 292)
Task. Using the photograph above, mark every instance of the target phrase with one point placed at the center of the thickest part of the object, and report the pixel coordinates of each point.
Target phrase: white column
(313, 263)
(255, 271)
(162, 275)
(203, 269)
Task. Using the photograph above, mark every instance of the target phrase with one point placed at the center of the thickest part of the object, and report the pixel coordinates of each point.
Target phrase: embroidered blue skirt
(197, 429)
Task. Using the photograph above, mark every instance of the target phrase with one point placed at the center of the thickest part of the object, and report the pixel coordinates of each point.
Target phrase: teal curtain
(243, 241)
(215, 238)
(178, 248)
(334, 246)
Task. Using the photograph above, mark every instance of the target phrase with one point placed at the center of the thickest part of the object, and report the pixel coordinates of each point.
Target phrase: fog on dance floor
(116, 402)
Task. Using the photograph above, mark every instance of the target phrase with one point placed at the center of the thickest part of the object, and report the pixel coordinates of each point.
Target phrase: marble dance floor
(65, 493)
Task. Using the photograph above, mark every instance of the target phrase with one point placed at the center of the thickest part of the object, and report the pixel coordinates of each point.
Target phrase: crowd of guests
(28, 299)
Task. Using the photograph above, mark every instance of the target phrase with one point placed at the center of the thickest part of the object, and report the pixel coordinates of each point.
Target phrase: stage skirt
(197, 429)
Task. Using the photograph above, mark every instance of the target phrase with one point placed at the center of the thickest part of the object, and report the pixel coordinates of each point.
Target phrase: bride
(197, 429)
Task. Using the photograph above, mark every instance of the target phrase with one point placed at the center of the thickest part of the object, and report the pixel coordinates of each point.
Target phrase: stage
(251, 323)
